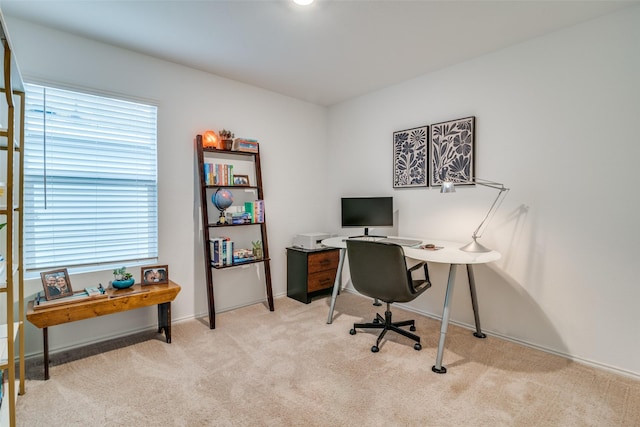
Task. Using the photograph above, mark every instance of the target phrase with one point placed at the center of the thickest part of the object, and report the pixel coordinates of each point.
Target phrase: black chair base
(387, 325)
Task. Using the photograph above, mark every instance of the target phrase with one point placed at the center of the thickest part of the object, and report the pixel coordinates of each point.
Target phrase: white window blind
(90, 182)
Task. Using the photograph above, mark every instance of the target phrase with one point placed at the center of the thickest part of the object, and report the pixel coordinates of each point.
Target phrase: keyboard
(366, 238)
(401, 242)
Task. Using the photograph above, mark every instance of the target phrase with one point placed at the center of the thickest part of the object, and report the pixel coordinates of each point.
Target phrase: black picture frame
(410, 157)
(154, 275)
(452, 151)
(56, 284)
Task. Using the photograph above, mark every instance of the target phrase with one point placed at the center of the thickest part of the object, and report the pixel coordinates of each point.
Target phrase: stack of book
(246, 145)
(238, 217)
(242, 255)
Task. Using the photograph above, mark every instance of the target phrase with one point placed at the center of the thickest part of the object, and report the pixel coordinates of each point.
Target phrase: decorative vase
(123, 284)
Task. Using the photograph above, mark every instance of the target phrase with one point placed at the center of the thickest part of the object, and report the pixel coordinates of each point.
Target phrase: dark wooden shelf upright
(207, 226)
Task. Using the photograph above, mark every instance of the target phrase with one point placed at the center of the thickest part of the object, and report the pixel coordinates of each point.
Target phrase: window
(90, 183)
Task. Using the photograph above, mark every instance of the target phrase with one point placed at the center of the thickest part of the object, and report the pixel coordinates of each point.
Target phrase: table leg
(438, 368)
(164, 320)
(474, 302)
(45, 341)
(337, 284)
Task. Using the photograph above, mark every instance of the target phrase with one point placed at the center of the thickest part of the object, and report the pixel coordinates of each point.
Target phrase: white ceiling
(326, 53)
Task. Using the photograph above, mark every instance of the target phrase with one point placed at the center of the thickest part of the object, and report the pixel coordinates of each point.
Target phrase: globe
(222, 199)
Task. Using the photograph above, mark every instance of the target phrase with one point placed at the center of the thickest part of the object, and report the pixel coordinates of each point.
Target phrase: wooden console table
(119, 300)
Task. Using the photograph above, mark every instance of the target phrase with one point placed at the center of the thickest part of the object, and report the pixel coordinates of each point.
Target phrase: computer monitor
(367, 212)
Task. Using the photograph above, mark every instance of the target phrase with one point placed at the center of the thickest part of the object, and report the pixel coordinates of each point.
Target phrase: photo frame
(154, 275)
(56, 284)
(451, 150)
(410, 161)
(241, 180)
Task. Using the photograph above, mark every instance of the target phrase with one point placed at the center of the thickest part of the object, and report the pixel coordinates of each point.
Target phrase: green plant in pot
(122, 279)
(257, 249)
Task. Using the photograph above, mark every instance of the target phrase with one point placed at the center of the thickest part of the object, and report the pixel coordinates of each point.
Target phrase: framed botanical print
(451, 149)
(410, 157)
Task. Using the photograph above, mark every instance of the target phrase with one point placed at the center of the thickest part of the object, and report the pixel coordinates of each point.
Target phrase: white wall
(556, 120)
(189, 102)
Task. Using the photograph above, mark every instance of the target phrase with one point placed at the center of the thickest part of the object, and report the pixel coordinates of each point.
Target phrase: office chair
(379, 270)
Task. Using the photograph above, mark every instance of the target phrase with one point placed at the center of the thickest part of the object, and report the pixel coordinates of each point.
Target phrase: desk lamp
(474, 246)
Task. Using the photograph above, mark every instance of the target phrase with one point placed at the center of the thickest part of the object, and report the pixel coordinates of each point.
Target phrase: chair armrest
(427, 281)
(417, 266)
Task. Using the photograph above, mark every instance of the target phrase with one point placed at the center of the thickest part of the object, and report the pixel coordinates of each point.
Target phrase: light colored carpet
(289, 368)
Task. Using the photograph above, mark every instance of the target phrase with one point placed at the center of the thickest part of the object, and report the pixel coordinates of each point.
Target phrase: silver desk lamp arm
(474, 246)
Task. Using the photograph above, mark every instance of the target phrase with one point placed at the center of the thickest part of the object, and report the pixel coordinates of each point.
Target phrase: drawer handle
(325, 280)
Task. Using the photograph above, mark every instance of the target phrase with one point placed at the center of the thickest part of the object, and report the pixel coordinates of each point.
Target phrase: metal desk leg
(45, 341)
(438, 368)
(474, 302)
(337, 284)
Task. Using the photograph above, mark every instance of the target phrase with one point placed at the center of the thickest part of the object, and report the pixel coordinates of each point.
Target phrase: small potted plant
(122, 279)
(257, 249)
(227, 139)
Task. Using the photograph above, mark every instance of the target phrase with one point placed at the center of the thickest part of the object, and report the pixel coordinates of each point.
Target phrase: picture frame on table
(241, 180)
(56, 284)
(452, 152)
(154, 275)
(410, 162)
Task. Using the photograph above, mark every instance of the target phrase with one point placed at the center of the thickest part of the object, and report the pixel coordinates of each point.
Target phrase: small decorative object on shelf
(210, 139)
(227, 139)
(222, 199)
(257, 249)
(241, 180)
(122, 279)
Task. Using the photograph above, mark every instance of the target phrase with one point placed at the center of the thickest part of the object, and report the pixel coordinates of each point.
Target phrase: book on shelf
(218, 174)
(95, 291)
(221, 251)
(256, 209)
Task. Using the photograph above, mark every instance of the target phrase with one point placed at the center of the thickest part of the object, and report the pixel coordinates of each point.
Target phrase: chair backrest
(379, 270)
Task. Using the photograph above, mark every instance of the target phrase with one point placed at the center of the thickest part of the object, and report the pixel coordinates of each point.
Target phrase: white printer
(309, 240)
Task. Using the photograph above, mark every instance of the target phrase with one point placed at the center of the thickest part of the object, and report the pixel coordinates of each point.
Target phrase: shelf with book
(243, 221)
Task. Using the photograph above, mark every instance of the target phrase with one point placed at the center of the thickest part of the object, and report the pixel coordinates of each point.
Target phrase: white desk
(449, 254)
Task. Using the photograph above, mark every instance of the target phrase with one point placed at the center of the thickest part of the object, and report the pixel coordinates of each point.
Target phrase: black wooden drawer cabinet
(311, 272)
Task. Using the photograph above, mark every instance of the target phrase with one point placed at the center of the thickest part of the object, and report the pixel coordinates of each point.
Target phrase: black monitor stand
(366, 234)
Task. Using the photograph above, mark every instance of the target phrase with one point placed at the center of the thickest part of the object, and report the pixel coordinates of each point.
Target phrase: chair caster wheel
(352, 331)
(375, 349)
(376, 320)
(417, 346)
(412, 328)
